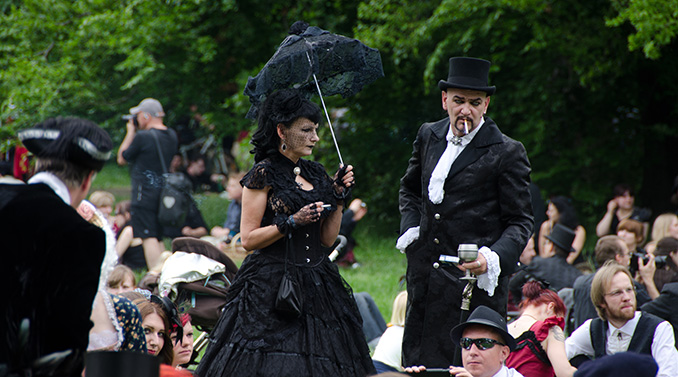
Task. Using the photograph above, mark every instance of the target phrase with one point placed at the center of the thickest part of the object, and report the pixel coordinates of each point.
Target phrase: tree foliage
(588, 86)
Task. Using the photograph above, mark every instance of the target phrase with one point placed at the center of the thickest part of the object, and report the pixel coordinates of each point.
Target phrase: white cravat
(436, 190)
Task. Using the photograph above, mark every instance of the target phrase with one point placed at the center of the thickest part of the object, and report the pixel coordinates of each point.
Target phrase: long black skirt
(252, 339)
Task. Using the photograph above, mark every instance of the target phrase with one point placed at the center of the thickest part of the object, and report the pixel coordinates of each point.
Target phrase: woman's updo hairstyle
(282, 107)
(537, 293)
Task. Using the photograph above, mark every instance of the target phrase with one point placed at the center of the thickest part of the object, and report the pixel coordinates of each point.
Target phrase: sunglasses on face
(481, 343)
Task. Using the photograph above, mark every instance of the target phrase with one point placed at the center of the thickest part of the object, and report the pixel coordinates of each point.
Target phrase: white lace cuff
(407, 238)
(489, 280)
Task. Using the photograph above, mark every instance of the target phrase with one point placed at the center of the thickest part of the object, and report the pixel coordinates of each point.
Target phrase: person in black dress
(283, 196)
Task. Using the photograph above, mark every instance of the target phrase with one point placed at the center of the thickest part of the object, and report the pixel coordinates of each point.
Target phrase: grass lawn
(381, 265)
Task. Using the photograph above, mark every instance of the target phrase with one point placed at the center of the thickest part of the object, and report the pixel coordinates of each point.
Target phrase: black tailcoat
(49, 273)
(486, 202)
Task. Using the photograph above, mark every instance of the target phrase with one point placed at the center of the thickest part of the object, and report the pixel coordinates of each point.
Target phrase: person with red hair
(539, 333)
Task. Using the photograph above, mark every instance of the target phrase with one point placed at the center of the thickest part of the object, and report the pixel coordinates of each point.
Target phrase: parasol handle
(329, 122)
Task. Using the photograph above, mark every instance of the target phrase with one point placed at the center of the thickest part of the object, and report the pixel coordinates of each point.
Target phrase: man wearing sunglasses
(485, 344)
(620, 327)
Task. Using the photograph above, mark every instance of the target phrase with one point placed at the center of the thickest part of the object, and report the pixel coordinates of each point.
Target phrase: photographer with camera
(642, 266)
(666, 261)
(145, 133)
(666, 279)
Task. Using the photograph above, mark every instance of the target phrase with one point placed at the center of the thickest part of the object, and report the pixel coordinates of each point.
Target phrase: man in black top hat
(466, 182)
(147, 141)
(485, 345)
(51, 256)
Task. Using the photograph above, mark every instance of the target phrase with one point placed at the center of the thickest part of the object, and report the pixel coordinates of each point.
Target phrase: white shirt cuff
(489, 280)
(407, 238)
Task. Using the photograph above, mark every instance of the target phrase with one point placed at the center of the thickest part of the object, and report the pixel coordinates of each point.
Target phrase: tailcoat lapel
(489, 134)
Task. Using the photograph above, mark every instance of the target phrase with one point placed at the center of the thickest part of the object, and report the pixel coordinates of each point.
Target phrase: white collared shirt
(54, 183)
(618, 340)
(442, 168)
(507, 372)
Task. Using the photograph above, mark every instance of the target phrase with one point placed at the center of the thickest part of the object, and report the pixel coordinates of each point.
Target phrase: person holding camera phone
(621, 207)
(139, 149)
(485, 345)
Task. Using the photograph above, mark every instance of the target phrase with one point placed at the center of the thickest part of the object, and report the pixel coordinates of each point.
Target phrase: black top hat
(468, 73)
(485, 316)
(562, 236)
(76, 140)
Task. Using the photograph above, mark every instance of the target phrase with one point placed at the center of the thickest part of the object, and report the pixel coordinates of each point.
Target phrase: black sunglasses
(481, 343)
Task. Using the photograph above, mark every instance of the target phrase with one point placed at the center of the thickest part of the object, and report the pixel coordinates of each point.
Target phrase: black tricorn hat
(485, 316)
(76, 140)
(468, 73)
(562, 237)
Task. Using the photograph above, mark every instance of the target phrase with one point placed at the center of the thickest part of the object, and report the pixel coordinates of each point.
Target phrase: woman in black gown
(284, 195)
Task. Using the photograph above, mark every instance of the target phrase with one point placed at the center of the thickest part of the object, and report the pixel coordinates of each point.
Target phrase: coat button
(307, 248)
(436, 216)
(307, 235)
(308, 260)
(436, 241)
(436, 265)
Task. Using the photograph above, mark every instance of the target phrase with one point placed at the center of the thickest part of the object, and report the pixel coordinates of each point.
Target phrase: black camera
(659, 261)
(133, 117)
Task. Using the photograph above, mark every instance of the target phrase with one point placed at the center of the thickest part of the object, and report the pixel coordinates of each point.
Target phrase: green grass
(381, 265)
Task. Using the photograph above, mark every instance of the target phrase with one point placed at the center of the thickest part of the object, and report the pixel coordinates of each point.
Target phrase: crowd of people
(529, 304)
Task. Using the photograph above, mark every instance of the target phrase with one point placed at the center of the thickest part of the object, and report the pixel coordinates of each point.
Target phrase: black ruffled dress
(251, 338)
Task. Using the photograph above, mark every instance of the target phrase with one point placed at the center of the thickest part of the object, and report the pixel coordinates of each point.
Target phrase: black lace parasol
(314, 60)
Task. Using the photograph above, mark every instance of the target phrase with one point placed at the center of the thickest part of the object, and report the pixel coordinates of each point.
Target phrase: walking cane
(466, 295)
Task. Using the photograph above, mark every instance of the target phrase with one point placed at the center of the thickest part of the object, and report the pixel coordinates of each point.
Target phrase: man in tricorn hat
(51, 256)
(485, 343)
(466, 182)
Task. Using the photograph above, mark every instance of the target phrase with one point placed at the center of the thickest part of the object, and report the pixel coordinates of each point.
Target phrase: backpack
(175, 196)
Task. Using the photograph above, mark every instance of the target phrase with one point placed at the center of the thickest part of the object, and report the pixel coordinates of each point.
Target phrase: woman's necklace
(297, 171)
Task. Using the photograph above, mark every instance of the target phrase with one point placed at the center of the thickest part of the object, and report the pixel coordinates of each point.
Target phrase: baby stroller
(197, 276)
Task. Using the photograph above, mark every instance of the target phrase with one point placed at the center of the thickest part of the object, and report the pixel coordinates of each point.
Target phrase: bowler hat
(78, 141)
(468, 73)
(562, 236)
(485, 316)
(619, 364)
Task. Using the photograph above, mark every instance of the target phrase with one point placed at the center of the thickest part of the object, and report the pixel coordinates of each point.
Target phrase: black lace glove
(307, 214)
(343, 182)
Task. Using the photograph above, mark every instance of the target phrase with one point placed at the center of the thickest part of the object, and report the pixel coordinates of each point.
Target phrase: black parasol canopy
(314, 60)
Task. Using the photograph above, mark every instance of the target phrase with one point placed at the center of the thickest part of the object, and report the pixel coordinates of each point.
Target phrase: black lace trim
(285, 196)
(529, 339)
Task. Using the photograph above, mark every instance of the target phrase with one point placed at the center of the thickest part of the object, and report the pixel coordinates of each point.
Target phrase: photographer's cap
(149, 105)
